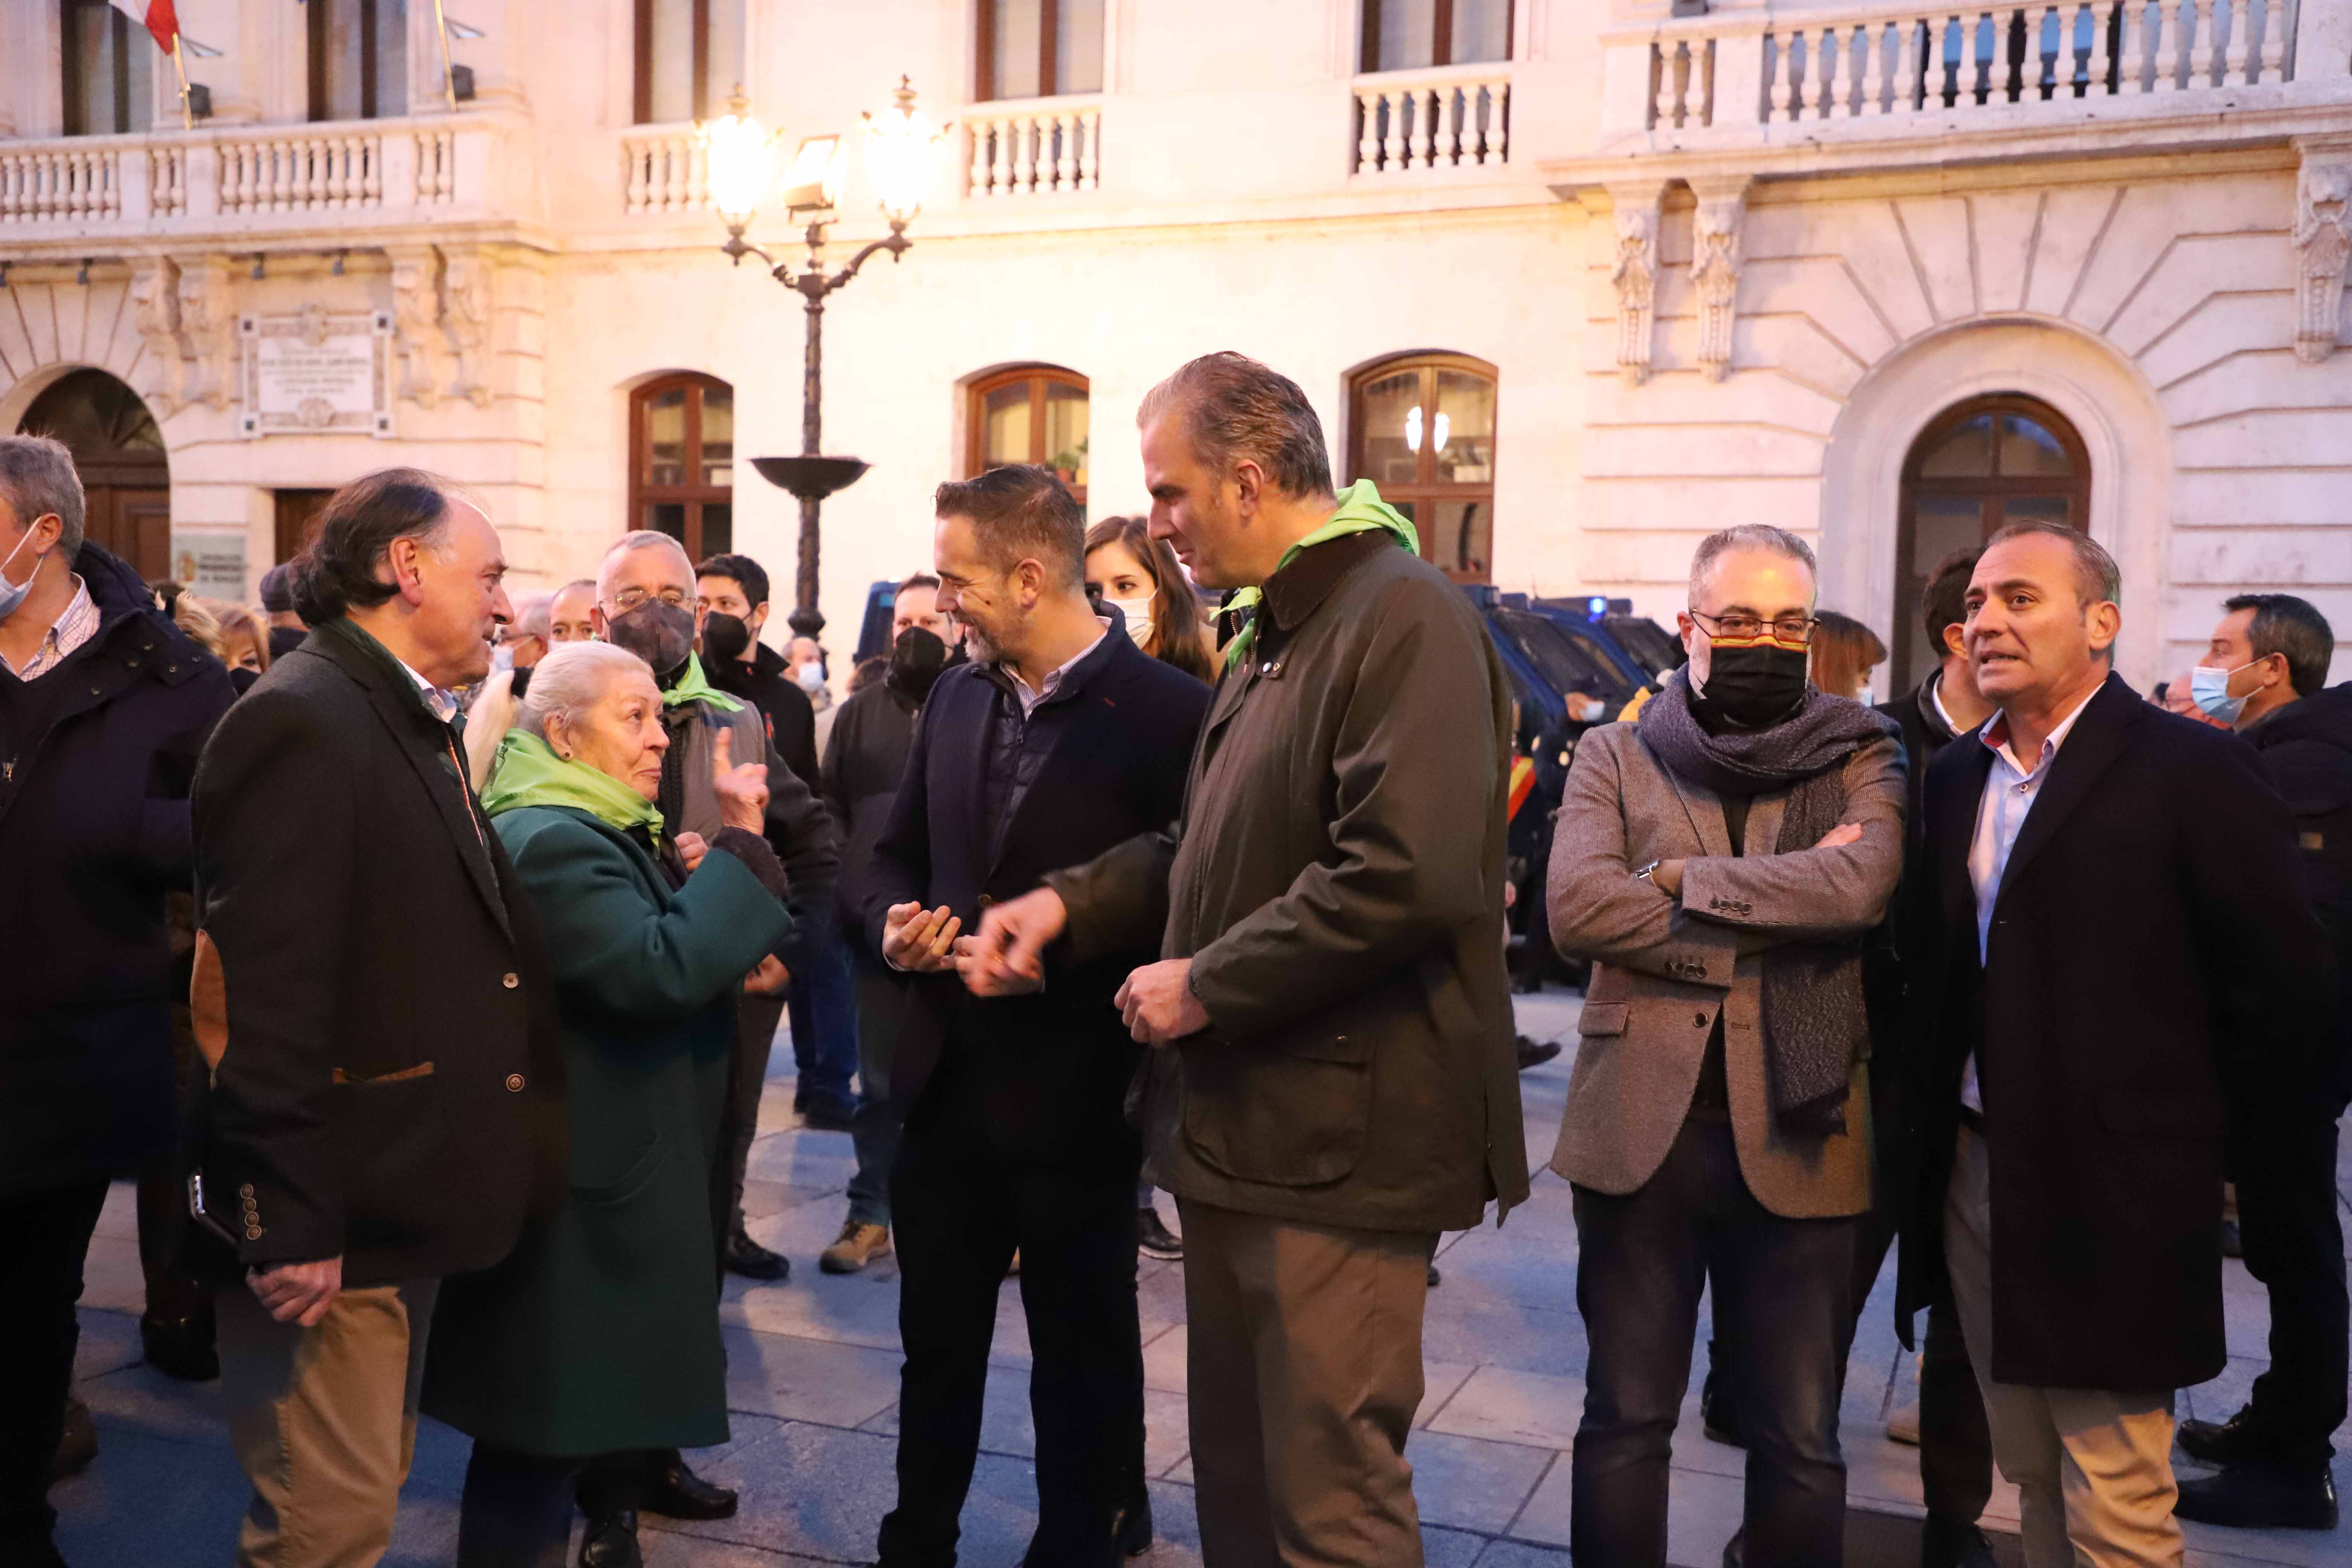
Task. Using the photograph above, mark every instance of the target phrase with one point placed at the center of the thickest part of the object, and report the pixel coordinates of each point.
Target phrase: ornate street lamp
(741, 157)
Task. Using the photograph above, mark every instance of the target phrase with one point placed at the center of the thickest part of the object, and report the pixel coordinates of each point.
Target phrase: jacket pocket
(1601, 1019)
(632, 1182)
(422, 1069)
(2162, 1112)
(1292, 1115)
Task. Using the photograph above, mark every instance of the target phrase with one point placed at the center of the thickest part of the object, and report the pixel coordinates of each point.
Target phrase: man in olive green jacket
(1334, 1081)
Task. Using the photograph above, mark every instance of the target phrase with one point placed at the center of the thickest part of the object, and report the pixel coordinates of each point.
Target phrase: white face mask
(11, 594)
(809, 676)
(1138, 617)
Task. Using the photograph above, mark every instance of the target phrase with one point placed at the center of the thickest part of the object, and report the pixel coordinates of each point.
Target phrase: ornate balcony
(1035, 147)
(1446, 116)
(665, 169)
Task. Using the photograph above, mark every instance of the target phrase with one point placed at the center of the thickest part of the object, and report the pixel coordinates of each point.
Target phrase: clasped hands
(1005, 957)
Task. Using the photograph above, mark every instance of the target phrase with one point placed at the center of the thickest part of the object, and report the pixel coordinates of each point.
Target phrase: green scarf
(1361, 511)
(695, 687)
(528, 772)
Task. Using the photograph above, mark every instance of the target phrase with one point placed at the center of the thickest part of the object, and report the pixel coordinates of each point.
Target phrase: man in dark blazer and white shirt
(1060, 740)
(2124, 960)
(385, 1104)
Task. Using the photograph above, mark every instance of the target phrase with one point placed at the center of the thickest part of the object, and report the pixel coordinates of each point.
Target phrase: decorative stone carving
(468, 284)
(416, 310)
(1715, 266)
(156, 311)
(1633, 271)
(2323, 243)
(208, 322)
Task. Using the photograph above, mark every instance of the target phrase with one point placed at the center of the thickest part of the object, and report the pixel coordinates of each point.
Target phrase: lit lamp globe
(899, 150)
(738, 156)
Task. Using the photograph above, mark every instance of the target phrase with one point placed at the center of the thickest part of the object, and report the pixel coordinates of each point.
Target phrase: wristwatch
(1644, 874)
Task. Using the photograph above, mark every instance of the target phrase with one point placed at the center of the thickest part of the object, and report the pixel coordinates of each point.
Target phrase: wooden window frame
(1039, 377)
(642, 97)
(319, 21)
(76, 105)
(1425, 487)
(693, 498)
(1049, 27)
(1441, 41)
(1990, 491)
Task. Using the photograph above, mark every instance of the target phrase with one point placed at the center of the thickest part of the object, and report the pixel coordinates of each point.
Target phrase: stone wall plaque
(317, 373)
(210, 564)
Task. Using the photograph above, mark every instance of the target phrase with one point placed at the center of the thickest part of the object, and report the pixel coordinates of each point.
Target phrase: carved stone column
(468, 283)
(2322, 242)
(416, 320)
(156, 311)
(1633, 272)
(208, 322)
(1715, 240)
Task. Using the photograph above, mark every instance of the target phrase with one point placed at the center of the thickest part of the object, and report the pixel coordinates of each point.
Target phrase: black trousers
(2294, 1237)
(48, 1235)
(517, 1510)
(756, 1018)
(960, 1210)
(1781, 1290)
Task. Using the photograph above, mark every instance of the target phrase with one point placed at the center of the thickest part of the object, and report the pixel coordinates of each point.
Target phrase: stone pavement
(813, 1385)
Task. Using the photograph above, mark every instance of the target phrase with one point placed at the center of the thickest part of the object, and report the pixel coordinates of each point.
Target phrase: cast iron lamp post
(899, 147)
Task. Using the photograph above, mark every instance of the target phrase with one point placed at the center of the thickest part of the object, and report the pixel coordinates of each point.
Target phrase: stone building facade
(1580, 278)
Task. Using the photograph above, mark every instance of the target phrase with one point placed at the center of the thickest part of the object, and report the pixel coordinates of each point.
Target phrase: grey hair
(37, 478)
(573, 679)
(532, 617)
(642, 538)
(1745, 536)
(2097, 579)
(1236, 408)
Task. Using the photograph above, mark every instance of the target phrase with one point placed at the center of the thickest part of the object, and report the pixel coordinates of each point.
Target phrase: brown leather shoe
(858, 1244)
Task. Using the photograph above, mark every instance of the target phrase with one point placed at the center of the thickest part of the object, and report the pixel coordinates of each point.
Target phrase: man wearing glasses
(1720, 861)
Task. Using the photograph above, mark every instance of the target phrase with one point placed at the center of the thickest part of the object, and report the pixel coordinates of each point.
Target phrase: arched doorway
(119, 452)
(1992, 460)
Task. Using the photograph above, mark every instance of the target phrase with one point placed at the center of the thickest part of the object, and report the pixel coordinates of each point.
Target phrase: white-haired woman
(599, 1334)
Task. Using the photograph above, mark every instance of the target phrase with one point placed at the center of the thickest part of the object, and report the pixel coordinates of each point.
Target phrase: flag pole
(187, 114)
(448, 74)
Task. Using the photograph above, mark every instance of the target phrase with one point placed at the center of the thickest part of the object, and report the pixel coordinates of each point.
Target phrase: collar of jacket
(1924, 697)
(357, 650)
(767, 664)
(2324, 716)
(126, 609)
(1294, 593)
(1090, 663)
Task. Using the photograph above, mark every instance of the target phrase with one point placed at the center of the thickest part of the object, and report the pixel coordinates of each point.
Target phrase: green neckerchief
(695, 687)
(528, 772)
(1361, 511)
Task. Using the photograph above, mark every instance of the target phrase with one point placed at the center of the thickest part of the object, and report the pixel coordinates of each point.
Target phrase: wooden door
(298, 520)
(134, 524)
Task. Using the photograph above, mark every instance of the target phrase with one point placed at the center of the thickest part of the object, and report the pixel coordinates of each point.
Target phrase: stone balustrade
(1946, 64)
(101, 181)
(1449, 117)
(1034, 147)
(665, 169)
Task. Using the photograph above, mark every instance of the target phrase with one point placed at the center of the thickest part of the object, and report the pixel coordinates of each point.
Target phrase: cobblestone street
(814, 1387)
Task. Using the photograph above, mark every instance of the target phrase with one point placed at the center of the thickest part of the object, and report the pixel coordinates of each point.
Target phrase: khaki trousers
(1305, 1350)
(2093, 1468)
(323, 1421)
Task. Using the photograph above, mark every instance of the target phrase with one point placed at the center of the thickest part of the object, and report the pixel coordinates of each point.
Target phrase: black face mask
(243, 680)
(1754, 684)
(662, 635)
(725, 638)
(916, 660)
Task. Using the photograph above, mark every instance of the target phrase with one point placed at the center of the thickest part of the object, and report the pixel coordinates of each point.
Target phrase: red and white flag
(157, 17)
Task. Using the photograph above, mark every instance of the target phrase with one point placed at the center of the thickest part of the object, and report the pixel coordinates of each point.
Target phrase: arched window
(359, 59)
(690, 56)
(119, 451)
(682, 461)
(1030, 413)
(108, 63)
(1422, 426)
(1980, 465)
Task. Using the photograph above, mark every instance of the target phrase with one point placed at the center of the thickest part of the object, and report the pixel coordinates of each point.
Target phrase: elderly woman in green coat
(601, 1333)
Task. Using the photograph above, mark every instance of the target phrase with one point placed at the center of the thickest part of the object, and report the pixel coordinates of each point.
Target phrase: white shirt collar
(1995, 734)
(443, 705)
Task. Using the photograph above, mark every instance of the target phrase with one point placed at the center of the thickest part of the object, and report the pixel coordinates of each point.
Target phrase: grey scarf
(1814, 1022)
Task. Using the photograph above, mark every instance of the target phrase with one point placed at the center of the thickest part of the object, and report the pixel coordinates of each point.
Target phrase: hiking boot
(858, 1244)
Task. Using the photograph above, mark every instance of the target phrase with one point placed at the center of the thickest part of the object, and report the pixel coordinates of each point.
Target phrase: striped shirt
(74, 627)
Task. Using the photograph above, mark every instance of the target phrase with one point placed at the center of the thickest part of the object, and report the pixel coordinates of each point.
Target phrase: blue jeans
(1782, 1291)
(822, 1006)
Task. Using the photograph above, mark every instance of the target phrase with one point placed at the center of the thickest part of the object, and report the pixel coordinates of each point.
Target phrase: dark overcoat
(1338, 888)
(2153, 973)
(600, 1331)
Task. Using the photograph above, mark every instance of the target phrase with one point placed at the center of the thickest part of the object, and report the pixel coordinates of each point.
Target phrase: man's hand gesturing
(1006, 957)
(919, 941)
(741, 788)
